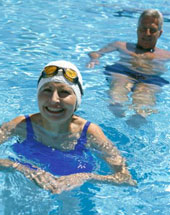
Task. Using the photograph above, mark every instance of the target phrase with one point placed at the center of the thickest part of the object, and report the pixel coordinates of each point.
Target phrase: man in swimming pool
(136, 72)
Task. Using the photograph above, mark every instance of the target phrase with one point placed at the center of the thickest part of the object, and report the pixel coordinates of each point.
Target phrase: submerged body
(66, 162)
(55, 147)
(136, 76)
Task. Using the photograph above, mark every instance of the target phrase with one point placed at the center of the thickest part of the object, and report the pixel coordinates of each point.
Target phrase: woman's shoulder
(21, 120)
(77, 123)
(96, 133)
(18, 122)
(14, 127)
(35, 118)
(93, 128)
(14, 122)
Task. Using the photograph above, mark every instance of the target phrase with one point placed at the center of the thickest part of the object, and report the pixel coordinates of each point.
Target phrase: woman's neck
(59, 127)
(57, 135)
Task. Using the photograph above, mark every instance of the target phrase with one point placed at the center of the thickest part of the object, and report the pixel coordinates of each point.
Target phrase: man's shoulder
(126, 46)
(120, 44)
(162, 53)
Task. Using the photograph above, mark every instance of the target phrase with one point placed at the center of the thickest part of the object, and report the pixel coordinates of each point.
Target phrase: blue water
(32, 33)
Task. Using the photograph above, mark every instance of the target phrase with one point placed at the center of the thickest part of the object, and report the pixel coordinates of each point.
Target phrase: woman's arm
(45, 179)
(97, 140)
(112, 156)
(14, 127)
(57, 185)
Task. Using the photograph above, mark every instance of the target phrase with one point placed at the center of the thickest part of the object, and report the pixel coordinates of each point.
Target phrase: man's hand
(92, 63)
(94, 59)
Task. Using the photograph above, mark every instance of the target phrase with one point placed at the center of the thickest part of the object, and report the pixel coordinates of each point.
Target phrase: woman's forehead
(57, 85)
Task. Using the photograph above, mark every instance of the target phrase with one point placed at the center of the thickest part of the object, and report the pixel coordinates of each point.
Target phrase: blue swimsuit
(52, 160)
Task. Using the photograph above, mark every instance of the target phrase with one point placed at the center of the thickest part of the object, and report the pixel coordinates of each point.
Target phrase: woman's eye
(64, 93)
(47, 90)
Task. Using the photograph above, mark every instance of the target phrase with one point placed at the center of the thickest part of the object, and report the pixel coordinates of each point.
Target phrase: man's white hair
(153, 13)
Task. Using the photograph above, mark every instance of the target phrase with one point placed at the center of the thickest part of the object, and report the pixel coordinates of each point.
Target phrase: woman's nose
(55, 96)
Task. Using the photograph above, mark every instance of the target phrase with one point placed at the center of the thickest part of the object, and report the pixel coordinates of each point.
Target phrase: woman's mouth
(54, 110)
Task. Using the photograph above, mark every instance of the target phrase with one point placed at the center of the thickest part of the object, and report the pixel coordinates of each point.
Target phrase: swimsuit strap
(30, 131)
(80, 142)
(84, 131)
(83, 138)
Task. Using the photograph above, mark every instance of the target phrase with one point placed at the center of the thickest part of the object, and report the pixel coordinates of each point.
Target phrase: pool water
(33, 33)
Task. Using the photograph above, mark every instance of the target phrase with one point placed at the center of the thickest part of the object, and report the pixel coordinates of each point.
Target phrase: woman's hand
(69, 182)
(122, 179)
(45, 179)
(56, 184)
(50, 182)
(117, 179)
(6, 163)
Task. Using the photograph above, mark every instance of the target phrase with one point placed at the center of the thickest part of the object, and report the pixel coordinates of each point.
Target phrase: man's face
(148, 32)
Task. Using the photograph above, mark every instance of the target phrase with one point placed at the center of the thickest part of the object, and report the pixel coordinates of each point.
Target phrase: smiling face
(57, 101)
(148, 32)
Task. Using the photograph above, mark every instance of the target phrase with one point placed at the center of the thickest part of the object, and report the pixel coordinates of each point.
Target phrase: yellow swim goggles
(69, 74)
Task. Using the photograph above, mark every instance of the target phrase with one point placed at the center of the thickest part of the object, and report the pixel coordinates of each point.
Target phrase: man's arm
(95, 55)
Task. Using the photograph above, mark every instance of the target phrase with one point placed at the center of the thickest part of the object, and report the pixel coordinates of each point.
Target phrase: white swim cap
(60, 78)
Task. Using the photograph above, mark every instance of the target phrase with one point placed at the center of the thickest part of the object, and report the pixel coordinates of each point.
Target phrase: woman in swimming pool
(59, 143)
